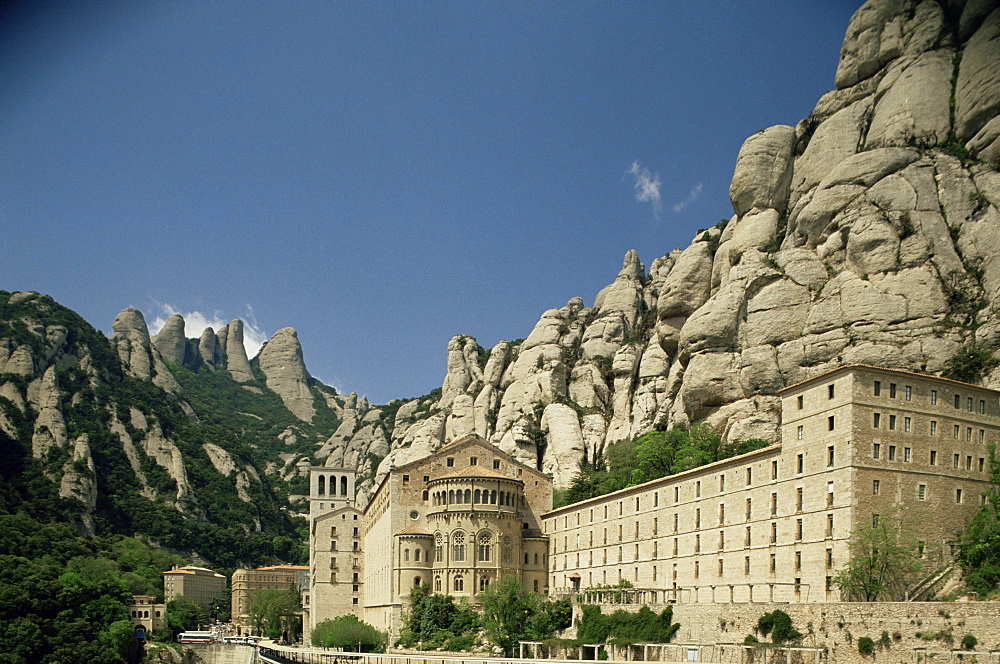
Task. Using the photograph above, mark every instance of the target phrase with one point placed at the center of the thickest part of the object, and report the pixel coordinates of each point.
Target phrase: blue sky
(379, 175)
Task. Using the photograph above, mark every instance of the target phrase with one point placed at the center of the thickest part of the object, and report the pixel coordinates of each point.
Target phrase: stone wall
(837, 626)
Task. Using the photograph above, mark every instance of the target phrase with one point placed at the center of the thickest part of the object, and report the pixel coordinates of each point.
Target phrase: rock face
(170, 340)
(282, 363)
(867, 233)
(236, 353)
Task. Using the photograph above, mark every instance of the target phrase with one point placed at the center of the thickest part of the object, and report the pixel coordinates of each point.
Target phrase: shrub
(969, 642)
(866, 646)
(779, 625)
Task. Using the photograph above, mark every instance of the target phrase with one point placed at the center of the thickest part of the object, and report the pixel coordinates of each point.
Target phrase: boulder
(914, 101)
(763, 171)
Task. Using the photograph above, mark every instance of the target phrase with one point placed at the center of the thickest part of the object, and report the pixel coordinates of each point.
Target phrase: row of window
(321, 485)
(458, 583)
(477, 497)
(473, 461)
(891, 422)
(958, 462)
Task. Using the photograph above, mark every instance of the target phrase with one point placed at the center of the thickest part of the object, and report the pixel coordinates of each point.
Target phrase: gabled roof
(414, 530)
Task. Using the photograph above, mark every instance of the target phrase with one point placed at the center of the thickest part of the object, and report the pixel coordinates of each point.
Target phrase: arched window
(451, 497)
(477, 497)
(343, 485)
(484, 583)
(458, 542)
(322, 485)
(493, 497)
(506, 549)
(439, 547)
(406, 555)
(536, 585)
(459, 584)
(437, 584)
(416, 555)
(416, 582)
(484, 547)
(468, 496)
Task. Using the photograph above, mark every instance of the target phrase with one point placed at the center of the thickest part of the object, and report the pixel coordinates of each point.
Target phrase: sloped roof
(414, 530)
(474, 471)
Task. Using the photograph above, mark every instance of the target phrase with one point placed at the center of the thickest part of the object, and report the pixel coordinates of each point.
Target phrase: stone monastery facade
(858, 443)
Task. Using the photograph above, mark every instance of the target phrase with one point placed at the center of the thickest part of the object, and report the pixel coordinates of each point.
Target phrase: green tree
(882, 562)
(979, 548)
(273, 612)
(184, 614)
(778, 625)
(348, 632)
(510, 614)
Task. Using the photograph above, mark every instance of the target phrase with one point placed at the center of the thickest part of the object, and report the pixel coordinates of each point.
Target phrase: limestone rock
(763, 170)
(565, 443)
(79, 485)
(166, 454)
(461, 422)
(50, 425)
(236, 354)
(130, 337)
(209, 349)
(977, 90)
(21, 362)
(914, 105)
(170, 340)
(285, 370)
(220, 458)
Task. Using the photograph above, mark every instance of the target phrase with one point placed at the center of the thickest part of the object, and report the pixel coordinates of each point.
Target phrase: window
(406, 480)
(696, 569)
(878, 388)
(798, 529)
(892, 453)
(774, 503)
(876, 450)
(829, 558)
(933, 457)
(958, 401)
(933, 397)
(876, 420)
(906, 455)
(968, 433)
(875, 487)
(749, 476)
(774, 532)
(473, 461)
(982, 406)
(968, 463)
(675, 546)
(982, 462)
(933, 428)
(749, 508)
(829, 456)
(968, 403)
(675, 522)
(799, 464)
(829, 391)
(450, 462)
(958, 496)
(697, 489)
(892, 390)
(907, 393)
(484, 547)
(496, 464)
(829, 584)
(954, 460)
(982, 436)
(798, 561)
(722, 540)
(677, 493)
(774, 469)
(798, 499)
(799, 402)
(830, 423)
(746, 538)
(955, 432)
(892, 422)
(697, 518)
(722, 514)
(458, 545)
(697, 543)
(921, 492)
(829, 494)
(746, 564)
(799, 432)
(829, 525)
(459, 584)
(720, 566)
(774, 562)
(906, 424)
(722, 483)
(798, 586)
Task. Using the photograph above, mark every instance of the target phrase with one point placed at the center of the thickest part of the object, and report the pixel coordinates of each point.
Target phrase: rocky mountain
(867, 233)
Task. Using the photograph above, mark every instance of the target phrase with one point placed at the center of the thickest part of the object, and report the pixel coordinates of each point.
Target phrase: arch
(343, 485)
(406, 555)
(468, 496)
(416, 555)
(322, 485)
(484, 582)
(416, 582)
(439, 547)
(437, 584)
(493, 497)
(458, 545)
(459, 584)
(484, 550)
(477, 497)
(451, 496)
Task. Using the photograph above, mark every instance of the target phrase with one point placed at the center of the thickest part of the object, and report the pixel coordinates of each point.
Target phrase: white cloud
(195, 323)
(647, 186)
(677, 207)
